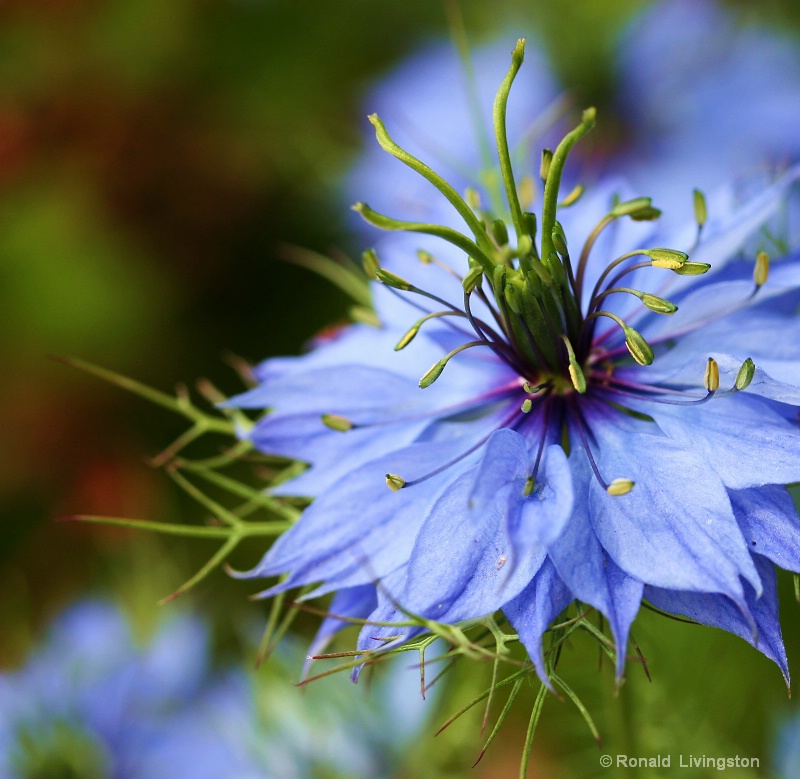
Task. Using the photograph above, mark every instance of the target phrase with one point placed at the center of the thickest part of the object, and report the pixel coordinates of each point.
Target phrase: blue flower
(91, 703)
(573, 413)
(703, 97)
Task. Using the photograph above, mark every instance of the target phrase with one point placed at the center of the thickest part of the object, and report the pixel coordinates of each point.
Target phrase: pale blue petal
(676, 528)
(740, 438)
(534, 609)
(770, 524)
(589, 571)
(759, 625)
(464, 564)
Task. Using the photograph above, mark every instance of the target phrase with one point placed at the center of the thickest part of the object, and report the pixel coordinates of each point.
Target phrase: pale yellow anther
(526, 191)
(573, 196)
(527, 405)
(711, 378)
(337, 422)
(394, 482)
(426, 258)
(473, 198)
(544, 166)
(761, 271)
(620, 487)
(530, 486)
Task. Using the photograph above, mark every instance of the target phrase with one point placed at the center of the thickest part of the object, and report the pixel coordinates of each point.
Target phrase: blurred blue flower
(704, 97)
(257, 725)
(541, 458)
(92, 704)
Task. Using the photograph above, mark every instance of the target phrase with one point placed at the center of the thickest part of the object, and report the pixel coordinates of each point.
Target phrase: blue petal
(721, 612)
(739, 437)
(770, 524)
(332, 454)
(676, 528)
(532, 611)
(341, 537)
(589, 571)
(458, 567)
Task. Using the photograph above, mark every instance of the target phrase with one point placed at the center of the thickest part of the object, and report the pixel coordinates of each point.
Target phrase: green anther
(513, 298)
(745, 374)
(657, 304)
(337, 422)
(369, 259)
(544, 165)
(526, 191)
(473, 198)
(640, 350)
(499, 279)
(499, 232)
(407, 338)
(693, 269)
(527, 405)
(700, 208)
(711, 377)
(620, 487)
(392, 280)
(761, 271)
(426, 258)
(573, 196)
(526, 387)
(671, 259)
(472, 278)
(575, 370)
(559, 239)
(530, 486)
(631, 207)
(524, 248)
(432, 374)
(646, 215)
(529, 218)
(394, 482)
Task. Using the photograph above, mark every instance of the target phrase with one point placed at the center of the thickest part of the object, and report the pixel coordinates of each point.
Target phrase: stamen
(575, 371)
(711, 378)
(638, 347)
(530, 482)
(544, 165)
(436, 369)
(700, 212)
(394, 482)
(337, 422)
(761, 271)
(573, 196)
(414, 329)
(745, 374)
(618, 486)
(369, 259)
(509, 422)
(653, 302)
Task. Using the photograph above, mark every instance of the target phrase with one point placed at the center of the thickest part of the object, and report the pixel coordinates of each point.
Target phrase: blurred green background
(155, 159)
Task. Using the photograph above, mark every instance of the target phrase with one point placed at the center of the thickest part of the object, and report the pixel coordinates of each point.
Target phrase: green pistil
(499, 116)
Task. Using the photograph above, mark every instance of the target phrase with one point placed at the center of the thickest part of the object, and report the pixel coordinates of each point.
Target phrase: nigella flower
(721, 104)
(555, 408)
(92, 703)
